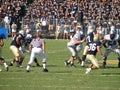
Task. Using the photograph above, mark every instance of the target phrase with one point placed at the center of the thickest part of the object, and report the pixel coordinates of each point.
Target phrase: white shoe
(7, 68)
(82, 63)
(88, 70)
(0, 69)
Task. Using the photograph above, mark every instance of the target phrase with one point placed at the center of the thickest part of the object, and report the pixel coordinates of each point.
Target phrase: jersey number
(92, 47)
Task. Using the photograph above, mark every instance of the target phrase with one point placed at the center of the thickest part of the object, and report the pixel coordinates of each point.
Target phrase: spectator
(81, 10)
(14, 29)
(7, 23)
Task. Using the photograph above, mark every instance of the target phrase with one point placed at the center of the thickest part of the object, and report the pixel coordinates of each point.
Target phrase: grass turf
(59, 76)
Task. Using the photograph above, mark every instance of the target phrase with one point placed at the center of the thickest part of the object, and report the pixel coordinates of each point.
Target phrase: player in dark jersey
(91, 36)
(88, 38)
(91, 49)
(16, 49)
(111, 45)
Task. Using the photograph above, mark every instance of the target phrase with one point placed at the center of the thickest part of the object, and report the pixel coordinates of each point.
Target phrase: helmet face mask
(112, 36)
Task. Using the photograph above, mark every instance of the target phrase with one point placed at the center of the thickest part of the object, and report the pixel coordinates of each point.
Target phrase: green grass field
(59, 76)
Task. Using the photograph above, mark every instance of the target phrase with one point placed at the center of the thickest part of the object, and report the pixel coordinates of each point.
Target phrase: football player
(111, 45)
(75, 46)
(91, 49)
(88, 38)
(1, 58)
(91, 36)
(16, 48)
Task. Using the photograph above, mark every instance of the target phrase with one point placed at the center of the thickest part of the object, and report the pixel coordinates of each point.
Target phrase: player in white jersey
(74, 46)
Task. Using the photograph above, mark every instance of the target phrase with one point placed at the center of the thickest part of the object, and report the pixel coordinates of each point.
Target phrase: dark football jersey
(21, 39)
(92, 47)
(90, 37)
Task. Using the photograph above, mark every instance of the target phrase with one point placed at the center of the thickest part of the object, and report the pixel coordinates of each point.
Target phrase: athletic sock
(28, 67)
(44, 65)
(5, 64)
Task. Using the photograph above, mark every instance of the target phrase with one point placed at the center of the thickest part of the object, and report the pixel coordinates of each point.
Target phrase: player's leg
(78, 49)
(36, 61)
(21, 58)
(107, 51)
(16, 54)
(32, 57)
(12, 61)
(43, 60)
(94, 63)
(71, 59)
(84, 56)
(117, 51)
(4, 63)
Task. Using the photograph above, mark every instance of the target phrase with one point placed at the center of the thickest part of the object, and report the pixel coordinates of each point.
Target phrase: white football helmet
(21, 32)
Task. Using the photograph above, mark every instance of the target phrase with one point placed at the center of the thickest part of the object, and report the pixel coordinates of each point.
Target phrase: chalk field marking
(47, 86)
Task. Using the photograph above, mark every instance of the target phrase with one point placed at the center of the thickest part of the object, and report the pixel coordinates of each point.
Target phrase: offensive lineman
(75, 46)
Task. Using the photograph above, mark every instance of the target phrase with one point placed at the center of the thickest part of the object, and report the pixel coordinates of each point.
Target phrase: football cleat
(82, 63)
(11, 64)
(45, 70)
(66, 63)
(104, 64)
(27, 70)
(88, 70)
(72, 65)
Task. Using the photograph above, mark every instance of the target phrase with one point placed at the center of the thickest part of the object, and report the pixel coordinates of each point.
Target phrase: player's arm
(18, 41)
(43, 46)
(31, 46)
(78, 41)
(1, 42)
(99, 50)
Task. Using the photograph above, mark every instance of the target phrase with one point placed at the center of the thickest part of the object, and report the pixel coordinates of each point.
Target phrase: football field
(59, 76)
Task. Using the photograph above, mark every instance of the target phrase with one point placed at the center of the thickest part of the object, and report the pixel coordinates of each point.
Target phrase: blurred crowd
(59, 15)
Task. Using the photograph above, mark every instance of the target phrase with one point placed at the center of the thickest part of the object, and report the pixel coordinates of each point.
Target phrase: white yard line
(55, 86)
